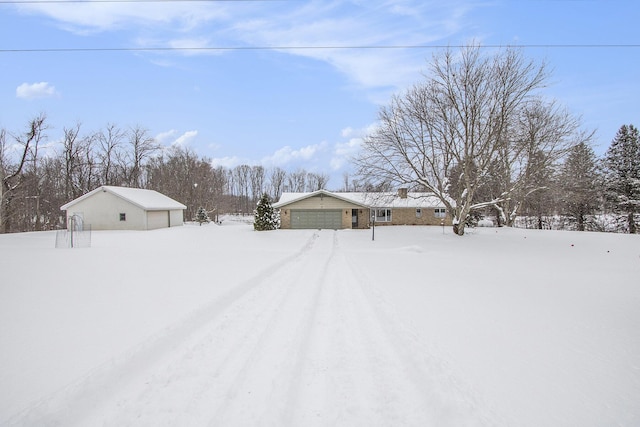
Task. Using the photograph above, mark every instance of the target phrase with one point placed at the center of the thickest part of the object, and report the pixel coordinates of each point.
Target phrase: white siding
(177, 217)
(102, 211)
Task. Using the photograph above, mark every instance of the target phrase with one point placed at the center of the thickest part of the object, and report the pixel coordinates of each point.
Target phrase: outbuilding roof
(149, 200)
(369, 200)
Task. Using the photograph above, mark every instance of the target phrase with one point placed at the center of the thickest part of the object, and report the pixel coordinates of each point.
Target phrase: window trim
(387, 216)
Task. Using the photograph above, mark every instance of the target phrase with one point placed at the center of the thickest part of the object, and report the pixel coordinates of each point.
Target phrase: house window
(418, 213)
(382, 215)
(439, 212)
(123, 217)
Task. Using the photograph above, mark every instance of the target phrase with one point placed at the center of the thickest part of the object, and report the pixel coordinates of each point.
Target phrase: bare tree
(463, 120)
(316, 181)
(109, 141)
(257, 183)
(142, 147)
(277, 179)
(79, 163)
(11, 175)
(241, 175)
(297, 181)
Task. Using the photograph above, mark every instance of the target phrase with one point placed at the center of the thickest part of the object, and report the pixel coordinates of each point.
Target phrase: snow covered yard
(221, 325)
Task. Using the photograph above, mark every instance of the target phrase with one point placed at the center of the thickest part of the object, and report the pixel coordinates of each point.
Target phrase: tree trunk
(580, 225)
(632, 223)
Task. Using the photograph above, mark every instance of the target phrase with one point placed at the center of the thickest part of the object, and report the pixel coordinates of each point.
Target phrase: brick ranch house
(335, 210)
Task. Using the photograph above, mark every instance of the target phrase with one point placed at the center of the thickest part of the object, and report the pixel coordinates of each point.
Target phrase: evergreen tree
(202, 216)
(266, 218)
(622, 169)
(579, 183)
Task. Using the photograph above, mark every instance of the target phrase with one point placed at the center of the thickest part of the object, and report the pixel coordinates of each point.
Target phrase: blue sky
(292, 108)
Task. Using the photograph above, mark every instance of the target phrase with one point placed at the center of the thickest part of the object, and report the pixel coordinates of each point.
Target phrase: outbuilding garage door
(330, 219)
(157, 219)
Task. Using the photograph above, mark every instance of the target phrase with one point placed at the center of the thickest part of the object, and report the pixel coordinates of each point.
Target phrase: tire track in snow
(271, 372)
(82, 398)
(446, 399)
(288, 347)
(365, 369)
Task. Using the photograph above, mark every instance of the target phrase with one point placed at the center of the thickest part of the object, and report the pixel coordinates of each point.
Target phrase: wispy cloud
(92, 17)
(272, 24)
(184, 139)
(171, 138)
(229, 162)
(286, 155)
(343, 152)
(35, 90)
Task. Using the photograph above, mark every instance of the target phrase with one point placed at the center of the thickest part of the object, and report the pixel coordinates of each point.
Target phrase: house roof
(149, 200)
(369, 200)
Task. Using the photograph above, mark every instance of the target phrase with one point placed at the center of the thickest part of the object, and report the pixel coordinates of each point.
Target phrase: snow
(145, 199)
(223, 325)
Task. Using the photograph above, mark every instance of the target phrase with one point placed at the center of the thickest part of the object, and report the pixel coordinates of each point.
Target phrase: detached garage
(122, 208)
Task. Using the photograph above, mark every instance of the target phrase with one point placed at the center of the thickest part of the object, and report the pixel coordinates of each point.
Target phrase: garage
(157, 219)
(327, 219)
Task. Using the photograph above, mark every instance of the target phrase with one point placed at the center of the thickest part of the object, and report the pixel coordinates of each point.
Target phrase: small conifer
(202, 216)
(266, 218)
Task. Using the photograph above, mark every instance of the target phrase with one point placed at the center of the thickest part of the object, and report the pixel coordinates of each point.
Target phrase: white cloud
(35, 90)
(229, 162)
(185, 138)
(88, 17)
(163, 138)
(169, 138)
(287, 154)
(307, 24)
(344, 151)
(365, 24)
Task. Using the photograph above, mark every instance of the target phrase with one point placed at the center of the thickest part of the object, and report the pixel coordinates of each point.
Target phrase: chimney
(402, 193)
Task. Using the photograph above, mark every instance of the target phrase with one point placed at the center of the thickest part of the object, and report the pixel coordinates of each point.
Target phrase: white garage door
(328, 219)
(157, 219)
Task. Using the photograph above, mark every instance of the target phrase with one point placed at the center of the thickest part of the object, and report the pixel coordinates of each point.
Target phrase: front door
(354, 218)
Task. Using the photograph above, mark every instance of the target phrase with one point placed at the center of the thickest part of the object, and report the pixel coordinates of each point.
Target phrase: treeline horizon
(36, 179)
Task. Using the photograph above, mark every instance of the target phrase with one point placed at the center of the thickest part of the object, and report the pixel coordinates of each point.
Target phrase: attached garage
(324, 219)
(320, 210)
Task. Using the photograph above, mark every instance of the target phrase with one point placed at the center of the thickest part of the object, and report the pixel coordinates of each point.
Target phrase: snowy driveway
(305, 343)
(224, 326)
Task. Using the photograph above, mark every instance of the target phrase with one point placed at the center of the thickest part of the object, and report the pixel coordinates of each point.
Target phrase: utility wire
(355, 47)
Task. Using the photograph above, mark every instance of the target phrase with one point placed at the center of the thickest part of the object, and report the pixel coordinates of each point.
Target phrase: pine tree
(622, 169)
(579, 183)
(202, 216)
(266, 218)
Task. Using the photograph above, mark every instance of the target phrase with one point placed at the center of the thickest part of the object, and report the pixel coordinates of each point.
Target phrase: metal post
(72, 227)
(373, 229)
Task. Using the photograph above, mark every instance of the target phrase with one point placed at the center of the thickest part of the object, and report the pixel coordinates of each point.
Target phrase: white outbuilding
(122, 208)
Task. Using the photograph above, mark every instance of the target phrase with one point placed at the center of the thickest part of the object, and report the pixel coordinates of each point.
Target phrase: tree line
(479, 135)
(38, 176)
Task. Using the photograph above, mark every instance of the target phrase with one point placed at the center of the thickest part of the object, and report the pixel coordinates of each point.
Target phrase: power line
(327, 47)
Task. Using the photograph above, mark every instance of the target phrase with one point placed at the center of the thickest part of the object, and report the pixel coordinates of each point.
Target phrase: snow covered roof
(379, 200)
(149, 200)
